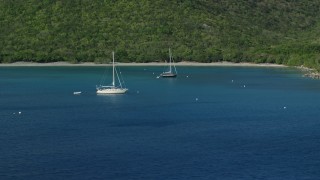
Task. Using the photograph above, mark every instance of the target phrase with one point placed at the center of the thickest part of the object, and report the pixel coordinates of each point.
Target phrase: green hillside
(274, 31)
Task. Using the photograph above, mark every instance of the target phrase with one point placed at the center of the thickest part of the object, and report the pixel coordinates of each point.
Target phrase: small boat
(170, 73)
(77, 92)
(112, 89)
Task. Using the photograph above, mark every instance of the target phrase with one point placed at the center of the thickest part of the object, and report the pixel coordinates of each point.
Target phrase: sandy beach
(184, 63)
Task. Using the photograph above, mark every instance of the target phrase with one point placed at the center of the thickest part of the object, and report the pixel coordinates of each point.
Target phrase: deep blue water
(208, 123)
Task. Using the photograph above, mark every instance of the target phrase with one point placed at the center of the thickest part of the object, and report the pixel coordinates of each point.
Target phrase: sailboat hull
(112, 91)
(168, 75)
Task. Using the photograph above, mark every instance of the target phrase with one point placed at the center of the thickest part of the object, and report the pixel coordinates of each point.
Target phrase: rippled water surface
(208, 123)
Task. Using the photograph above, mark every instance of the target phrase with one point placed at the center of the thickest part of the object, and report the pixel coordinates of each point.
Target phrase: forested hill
(275, 31)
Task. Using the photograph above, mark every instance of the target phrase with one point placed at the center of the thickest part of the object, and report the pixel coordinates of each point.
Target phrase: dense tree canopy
(273, 31)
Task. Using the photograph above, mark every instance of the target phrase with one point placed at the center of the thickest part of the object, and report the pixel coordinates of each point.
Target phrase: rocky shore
(310, 73)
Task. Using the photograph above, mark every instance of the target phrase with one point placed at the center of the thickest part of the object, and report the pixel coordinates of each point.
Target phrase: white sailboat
(112, 89)
(170, 72)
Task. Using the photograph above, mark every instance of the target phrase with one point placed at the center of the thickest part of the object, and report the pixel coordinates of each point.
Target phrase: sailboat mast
(170, 59)
(113, 84)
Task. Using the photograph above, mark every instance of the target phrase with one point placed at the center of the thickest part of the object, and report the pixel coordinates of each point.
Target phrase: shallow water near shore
(208, 123)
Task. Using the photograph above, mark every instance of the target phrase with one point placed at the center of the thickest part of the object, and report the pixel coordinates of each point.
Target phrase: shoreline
(184, 63)
(307, 72)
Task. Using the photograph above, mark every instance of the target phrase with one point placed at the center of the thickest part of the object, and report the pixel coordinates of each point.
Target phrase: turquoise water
(208, 123)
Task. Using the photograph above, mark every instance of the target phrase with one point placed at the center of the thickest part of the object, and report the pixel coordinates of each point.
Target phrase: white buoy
(19, 112)
(244, 86)
(232, 80)
(137, 92)
(284, 107)
(197, 99)
(187, 76)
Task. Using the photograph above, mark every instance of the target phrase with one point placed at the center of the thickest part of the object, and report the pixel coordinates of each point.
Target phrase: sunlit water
(208, 123)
